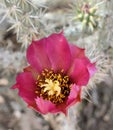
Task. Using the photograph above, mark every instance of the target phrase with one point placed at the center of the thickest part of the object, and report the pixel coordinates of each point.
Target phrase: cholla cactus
(25, 18)
(88, 15)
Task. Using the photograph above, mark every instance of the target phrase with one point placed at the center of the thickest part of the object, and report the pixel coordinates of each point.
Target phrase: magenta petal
(26, 86)
(92, 69)
(37, 56)
(58, 52)
(74, 95)
(60, 108)
(44, 106)
(79, 73)
(76, 52)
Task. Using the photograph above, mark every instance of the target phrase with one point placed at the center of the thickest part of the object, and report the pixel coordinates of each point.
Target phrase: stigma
(52, 86)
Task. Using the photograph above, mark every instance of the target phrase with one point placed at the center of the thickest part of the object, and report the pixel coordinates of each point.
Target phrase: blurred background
(86, 23)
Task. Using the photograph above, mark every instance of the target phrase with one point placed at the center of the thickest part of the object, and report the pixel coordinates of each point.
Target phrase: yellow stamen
(53, 86)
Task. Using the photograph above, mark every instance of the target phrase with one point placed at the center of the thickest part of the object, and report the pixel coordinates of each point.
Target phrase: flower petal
(26, 86)
(37, 56)
(74, 95)
(76, 52)
(79, 73)
(45, 106)
(92, 69)
(32, 70)
(58, 52)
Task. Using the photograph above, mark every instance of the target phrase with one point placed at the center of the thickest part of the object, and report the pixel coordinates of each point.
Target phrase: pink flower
(58, 70)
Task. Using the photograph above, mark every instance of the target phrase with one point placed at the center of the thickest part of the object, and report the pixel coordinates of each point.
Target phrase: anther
(53, 86)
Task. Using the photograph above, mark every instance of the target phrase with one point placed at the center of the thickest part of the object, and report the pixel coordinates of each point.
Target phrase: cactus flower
(56, 73)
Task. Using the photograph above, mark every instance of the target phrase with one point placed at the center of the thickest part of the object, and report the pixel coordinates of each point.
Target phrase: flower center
(54, 87)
